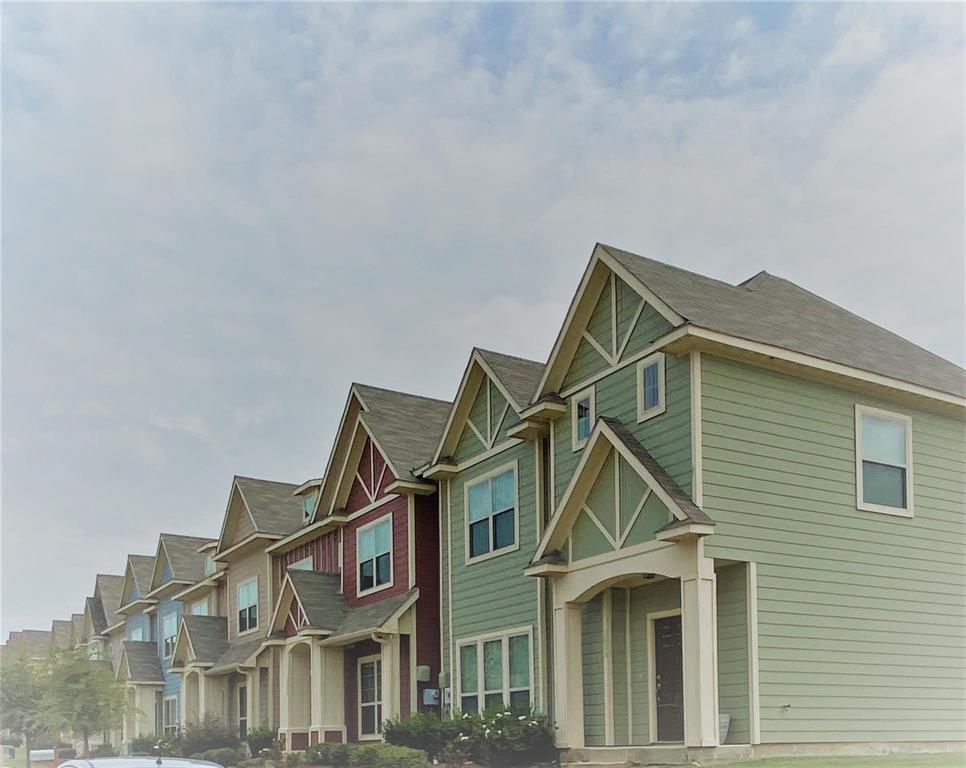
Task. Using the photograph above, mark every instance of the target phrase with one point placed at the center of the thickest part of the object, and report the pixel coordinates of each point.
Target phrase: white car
(138, 762)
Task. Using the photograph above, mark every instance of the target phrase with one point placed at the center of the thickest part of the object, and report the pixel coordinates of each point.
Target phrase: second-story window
(582, 414)
(491, 514)
(200, 608)
(247, 593)
(651, 400)
(374, 547)
(305, 564)
(169, 633)
(136, 633)
(308, 506)
(209, 564)
(883, 461)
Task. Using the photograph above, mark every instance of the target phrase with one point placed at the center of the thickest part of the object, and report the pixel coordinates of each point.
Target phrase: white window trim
(164, 711)
(164, 637)
(298, 563)
(139, 631)
(204, 601)
(588, 393)
(238, 587)
(209, 564)
(486, 476)
(377, 736)
(642, 413)
(478, 640)
(392, 556)
(652, 668)
(860, 503)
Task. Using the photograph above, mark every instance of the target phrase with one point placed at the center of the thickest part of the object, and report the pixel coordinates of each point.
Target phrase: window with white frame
(582, 414)
(169, 715)
(169, 633)
(305, 564)
(242, 711)
(135, 633)
(495, 672)
(308, 506)
(883, 461)
(374, 548)
(370, 697)
(209, 564)
(200, 608)
(247, 594)
(651, 397)
(491, 513)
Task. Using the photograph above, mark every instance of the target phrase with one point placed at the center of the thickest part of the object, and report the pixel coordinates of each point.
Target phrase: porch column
(254, 680)
(202, 695)
(568, 680)
(332, 685)
(389, 660)
(316, 680)
(699, 650)
(283, 720)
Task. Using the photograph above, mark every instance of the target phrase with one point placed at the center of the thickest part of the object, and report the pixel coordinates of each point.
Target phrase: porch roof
(140, 658)
(208, 636)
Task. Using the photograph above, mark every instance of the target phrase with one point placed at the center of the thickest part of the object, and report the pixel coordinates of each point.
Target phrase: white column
(390, 674)
(283, 688)
(568, 681)
(700, 657)
(254, 699)
(332, 685)
(316, 680)
(202, 695)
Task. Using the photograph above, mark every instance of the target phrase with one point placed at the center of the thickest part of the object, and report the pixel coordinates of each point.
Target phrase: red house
(357, 608)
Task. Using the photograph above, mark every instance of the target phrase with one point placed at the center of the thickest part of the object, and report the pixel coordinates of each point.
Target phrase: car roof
(137, 762)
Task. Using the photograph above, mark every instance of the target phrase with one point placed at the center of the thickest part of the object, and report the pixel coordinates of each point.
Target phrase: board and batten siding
(666, 437)
(491, 595)
(860, 614)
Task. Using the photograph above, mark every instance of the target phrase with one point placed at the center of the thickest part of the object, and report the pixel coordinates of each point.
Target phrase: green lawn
(880, 761)
(20, 761)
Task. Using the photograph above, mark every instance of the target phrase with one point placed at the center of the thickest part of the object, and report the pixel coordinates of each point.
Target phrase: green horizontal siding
(861, 615)
(733, 651)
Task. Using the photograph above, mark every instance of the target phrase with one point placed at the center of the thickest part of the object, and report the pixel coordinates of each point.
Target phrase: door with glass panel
(370, 698)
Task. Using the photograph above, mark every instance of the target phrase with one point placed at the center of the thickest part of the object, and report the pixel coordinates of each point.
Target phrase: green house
(724, 516)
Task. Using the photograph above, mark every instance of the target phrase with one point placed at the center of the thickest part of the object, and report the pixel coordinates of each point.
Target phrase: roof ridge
(400, 392)
(265, 480)
(611, 248)
(484, 351)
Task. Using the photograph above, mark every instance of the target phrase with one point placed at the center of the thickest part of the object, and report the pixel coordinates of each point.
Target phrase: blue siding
(172, 681)
(136, 621)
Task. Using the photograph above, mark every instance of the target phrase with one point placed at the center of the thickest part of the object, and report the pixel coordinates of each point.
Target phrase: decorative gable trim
(601, 442)
(601, 269)
(235, 488)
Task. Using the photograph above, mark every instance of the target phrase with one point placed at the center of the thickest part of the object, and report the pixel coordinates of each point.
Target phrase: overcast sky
(216, 217)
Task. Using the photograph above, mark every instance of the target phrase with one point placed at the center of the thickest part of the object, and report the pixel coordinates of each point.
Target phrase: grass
(20, 761)
(878, 761)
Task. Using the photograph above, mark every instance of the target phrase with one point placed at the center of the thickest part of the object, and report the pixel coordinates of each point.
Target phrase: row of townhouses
(718, 514)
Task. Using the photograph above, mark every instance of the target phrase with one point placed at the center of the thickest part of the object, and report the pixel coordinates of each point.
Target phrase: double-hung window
(495, 672)
(136, 633)
(582, 414)
(374, 547)
(169, 633)
(883, 461)
(370, 697)
(491, 513)
(247, 593)
(200, 608)
(651, 398)
(169, 715)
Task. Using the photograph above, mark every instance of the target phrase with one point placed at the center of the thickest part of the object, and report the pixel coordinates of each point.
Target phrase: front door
(668, 678)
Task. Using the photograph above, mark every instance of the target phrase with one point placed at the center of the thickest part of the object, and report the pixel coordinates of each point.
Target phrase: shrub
(143, 746)
(514, 739)
(334, 754)
(261, 739)
(101, 750)
(206, 736)
(422, 731)
(387, 756)
(225, 756)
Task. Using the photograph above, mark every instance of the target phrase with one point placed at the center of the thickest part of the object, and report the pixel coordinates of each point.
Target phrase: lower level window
(242, 711)
(495, 672)
(370, 697)
(169, 715)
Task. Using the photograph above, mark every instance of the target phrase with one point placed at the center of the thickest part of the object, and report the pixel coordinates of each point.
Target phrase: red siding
(398, 508)
(426, 538)
(324, 551)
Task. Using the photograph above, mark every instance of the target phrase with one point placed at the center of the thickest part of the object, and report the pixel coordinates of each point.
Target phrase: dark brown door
(669, 678)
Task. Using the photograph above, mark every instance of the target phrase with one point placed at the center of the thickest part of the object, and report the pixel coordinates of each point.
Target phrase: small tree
(22, 700)
(81, 695)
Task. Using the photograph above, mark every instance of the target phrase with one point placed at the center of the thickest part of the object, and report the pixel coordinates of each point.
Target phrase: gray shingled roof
(518, 375)
(186, 563)
(76, 625)
(208, 635)
(772, 310)
(60, 631)
(407, 427)
(142, 568)
(236, 654)
(143, 664)
(36, 642)
(108, 588)
(682, 499)
(326, 609)
(271, 504)
(96, 610)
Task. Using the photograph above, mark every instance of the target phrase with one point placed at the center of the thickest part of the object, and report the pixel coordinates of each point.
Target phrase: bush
(514, 739)
(261, 739)
(101, 750)
(206, 736)
(422, 731)
(225, 756)
(143, 746)
(371, 756)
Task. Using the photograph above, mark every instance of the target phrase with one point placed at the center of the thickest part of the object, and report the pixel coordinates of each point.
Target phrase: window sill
(883, 510)
(647, 415)
(370, 737)
(375, 590)
(491, 555)
(248, 632)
